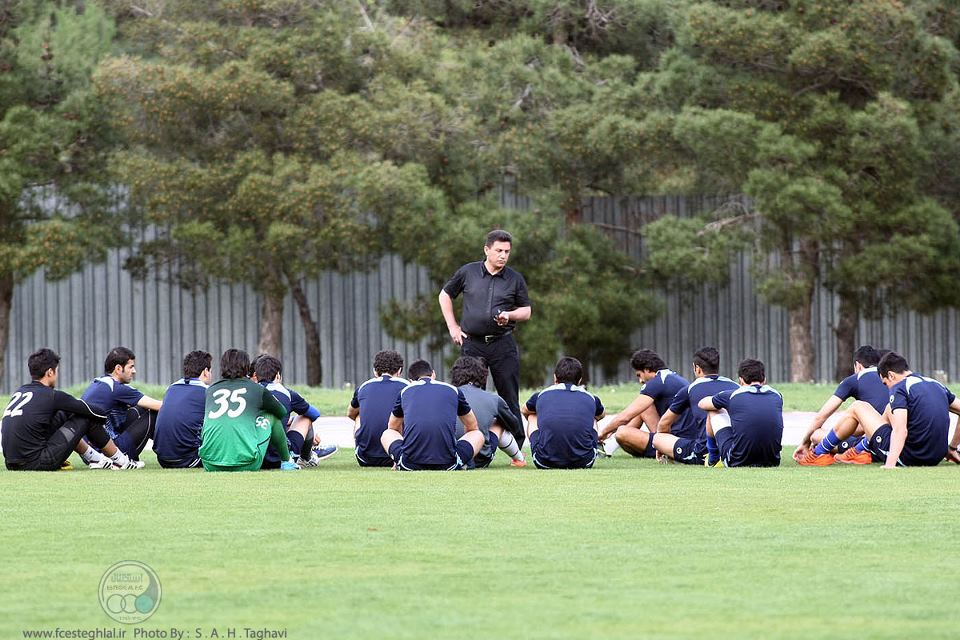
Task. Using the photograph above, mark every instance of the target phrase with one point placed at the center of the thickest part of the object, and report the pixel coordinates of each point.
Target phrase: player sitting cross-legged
(913, 430)
(42, 426)
(561, 420)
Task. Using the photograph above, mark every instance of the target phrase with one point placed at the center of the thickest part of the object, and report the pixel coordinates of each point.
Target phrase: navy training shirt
(375, 399)
(112, 398)
(292, 402)
(429, 409)
(928, 415)
(180, 420)
(663, 388)
(756, 418)
(866, 386)
(566, 414)
(688, 400)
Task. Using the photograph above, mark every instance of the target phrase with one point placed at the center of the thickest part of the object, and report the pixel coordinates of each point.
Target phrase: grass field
(628, 549)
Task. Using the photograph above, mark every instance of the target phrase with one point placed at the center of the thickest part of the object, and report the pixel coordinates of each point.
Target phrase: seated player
(177, 438)
(241, 419)
(911, 433)
(706, 364)
(561, 420)
(660, 386)
(421, 432)
(747, 423)
(496, 421)
(865, 384)
(372, 402)
(131, 416)
(268, 371)
(42, 426)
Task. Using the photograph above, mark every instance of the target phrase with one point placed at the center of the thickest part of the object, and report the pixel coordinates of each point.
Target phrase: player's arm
(353, 412)
(150, 403)
(640, 404)
(666, 421)
(828, 409)
(396, 423)
(453, 327)
(598, 411)
(898, 423)
(952, 454)
(68, 404)
(272, 406)
(707, 404)
(469, 422)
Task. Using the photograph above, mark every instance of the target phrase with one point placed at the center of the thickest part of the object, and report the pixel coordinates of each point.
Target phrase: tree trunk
(802, 354)
(271, 323)
(6, 302)
(314, 366)
(846, 332)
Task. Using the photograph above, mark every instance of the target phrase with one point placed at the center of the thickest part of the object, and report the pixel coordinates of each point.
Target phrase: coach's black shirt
(29, 420)
(484, 294)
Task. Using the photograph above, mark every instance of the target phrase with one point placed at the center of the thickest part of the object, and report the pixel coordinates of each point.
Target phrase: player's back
(233, 427)
(704, 387)
(865, 385)
(430, 409)
(26, 422)
(375, 399)
(928, 415)
(756, 417)
(180, 420)
(663, 388)
(566, 415)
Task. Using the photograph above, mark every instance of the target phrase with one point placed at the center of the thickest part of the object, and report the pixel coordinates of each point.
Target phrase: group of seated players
(248, 420)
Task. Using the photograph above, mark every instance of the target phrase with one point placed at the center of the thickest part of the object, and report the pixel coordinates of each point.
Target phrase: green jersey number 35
(230, 403)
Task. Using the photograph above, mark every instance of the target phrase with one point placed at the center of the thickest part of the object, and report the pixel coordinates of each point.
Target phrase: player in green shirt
(241, 419)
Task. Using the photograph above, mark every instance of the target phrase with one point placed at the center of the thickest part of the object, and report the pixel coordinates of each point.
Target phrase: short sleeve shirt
(113, 398)
(375, 399)
(663, 388)
(928, 416)
(485, 295)
(756, 419)
(566, 414)
(689, 397)
(866, 386)
(180, 420)
(429, 409)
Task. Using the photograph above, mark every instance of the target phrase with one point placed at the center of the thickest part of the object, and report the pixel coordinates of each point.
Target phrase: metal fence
(101, 307)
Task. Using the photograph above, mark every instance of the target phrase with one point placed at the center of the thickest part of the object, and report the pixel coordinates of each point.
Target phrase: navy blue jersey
(292, 402)
(689, 397)
(866, 386)
(375, 399)
(180, 419)
(429, 409)
(756, 419)
(928, 415)
(112, 398)
(663, 388)
(566, 414)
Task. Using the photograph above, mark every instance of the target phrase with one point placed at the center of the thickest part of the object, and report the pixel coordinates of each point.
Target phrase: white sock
(508, 444)
(120, 458)
(91, 455)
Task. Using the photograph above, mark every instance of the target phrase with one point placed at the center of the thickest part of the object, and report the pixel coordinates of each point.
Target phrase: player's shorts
(689, 451)
(365, 460)
(464, 452)
(182, 463)
(481, 460)
(542, 461)
(849, 443)
(255, 465)
(732, 457)
(879, 447)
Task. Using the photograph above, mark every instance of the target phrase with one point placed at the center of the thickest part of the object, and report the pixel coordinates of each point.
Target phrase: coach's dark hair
(234, 364)
(195, 362)
(387, 361)
(894, 362)
(498, 235)
(267, 367)
(117, 356)
(419, 369)
(568, 370)
(708, 359)
(751, 371)
(469, 370)
(646, 360)
(867, 356)
(40, 361)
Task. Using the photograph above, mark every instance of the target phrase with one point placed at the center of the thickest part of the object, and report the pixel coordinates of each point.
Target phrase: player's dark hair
(646, 360)
(568, 370)
(195, 362)
(894, 362)
(708, 359)
(117, 356)
(40, 361)
(751, 371)
(234, 364)
(498, 235)
(419, 369)
(867, 356)
(881, 353)
(267, 367)
(387, 361)
(469, 370)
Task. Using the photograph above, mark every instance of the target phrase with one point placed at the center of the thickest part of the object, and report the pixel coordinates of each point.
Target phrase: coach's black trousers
(503, 360)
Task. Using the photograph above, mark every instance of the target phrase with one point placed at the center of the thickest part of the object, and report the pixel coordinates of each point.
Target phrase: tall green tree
(54, 209)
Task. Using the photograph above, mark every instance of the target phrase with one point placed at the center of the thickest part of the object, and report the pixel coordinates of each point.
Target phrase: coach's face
(497, 254)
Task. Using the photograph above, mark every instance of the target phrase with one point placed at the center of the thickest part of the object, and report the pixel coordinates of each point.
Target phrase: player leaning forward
(241, 419)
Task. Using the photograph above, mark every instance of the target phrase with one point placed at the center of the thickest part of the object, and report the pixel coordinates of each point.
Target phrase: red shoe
(810, 459)
(518, 463)
(852, 456)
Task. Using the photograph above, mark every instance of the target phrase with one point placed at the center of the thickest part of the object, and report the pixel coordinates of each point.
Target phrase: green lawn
(628, 549)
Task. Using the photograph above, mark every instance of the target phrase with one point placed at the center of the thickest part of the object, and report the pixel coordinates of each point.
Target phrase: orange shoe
(518, 463)
(810, 459)
(852, 456)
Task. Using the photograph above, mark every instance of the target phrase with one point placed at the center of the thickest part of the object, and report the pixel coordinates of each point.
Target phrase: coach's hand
(457, 335)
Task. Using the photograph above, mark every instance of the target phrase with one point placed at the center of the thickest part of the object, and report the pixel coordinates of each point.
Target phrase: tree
(54, 210)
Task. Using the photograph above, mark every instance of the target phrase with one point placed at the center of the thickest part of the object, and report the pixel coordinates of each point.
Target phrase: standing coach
(494, 301)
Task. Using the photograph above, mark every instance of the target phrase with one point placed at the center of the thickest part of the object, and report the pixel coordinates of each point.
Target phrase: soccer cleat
(518, 463)
(852, 456)
(312, 461)
(66, 466)
(102, 463)
(130, 465)
(719, 465)
(322, 453)
(601, 452)
(811, 459)
(289, 465)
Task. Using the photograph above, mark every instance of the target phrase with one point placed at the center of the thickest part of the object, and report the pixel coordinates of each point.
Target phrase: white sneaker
(130, 465)
(102, 463)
